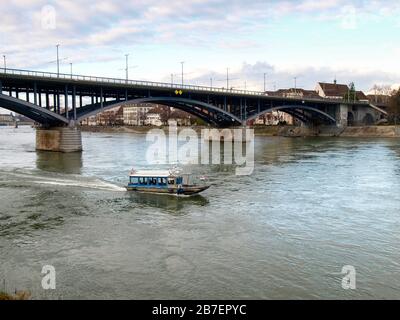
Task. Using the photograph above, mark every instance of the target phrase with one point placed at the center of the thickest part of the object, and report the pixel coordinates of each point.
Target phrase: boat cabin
(163, 181)
(154, 179)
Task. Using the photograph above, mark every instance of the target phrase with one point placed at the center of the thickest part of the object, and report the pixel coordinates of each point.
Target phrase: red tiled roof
(334, 89)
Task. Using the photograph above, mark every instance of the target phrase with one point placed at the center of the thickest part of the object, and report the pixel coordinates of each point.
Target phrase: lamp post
(70, 64)
(227, 78)
(5, 62)
(58, 62)
(264, 81)
(126, 67)
(182, 62)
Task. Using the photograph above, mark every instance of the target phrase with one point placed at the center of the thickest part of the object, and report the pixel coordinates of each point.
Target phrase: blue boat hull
(184, 190)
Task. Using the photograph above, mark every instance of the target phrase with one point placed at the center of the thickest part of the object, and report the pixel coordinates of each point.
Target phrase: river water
(311, 206)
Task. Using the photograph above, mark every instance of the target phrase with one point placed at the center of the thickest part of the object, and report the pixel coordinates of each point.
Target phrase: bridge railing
(52, 75)
(150, 84)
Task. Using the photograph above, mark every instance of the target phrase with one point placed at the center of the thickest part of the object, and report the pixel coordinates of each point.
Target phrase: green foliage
(351, 94)
(199, 122)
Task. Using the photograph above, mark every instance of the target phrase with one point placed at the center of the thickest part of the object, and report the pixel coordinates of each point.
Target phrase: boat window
(186, 179)
(142, 180)
(162, 181)
(179, 180)
(152, 181)
(134, 180)
(171, 181)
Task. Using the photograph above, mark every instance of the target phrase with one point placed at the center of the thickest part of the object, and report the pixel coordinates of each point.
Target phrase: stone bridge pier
(342, 115)
(59, 139)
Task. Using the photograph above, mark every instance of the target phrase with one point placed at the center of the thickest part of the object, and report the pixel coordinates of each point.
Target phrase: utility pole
(5, 62)
(182, 62)
(126, 67)
(58, 62)
(227, 78)
(70, 64)
(264, 81)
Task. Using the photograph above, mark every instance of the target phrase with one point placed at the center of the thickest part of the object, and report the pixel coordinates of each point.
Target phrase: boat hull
(185, 190)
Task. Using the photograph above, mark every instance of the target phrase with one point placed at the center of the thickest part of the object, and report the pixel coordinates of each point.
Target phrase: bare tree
(394, 108)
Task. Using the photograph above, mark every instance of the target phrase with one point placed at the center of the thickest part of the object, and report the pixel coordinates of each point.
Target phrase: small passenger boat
(163, 181)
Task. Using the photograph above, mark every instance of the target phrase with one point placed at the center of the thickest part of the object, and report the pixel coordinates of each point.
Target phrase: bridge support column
(341, 115)
(59, 139)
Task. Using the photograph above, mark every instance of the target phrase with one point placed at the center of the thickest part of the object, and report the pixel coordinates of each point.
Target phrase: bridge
(59, 102)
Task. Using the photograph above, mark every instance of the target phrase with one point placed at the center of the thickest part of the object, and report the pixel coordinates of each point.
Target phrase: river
(311, 206)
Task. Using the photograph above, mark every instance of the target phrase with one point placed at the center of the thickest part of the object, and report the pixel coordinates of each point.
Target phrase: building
(295, 93)
(274, 118)
(135, 114)
(181, 118)
(129, 115)
(331, 90)
(7, 119)
(153, 119)
(360, 96)
(110, 117)
(337, 91)
(90, 121)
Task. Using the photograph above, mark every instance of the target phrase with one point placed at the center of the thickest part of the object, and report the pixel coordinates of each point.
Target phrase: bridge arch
(350, 118)
(368, 119)
(205, 111)
(293, 110)
(32, 111)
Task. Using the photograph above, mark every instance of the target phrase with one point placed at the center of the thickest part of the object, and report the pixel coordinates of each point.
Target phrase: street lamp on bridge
(227, 78)
(126, 66)
(58, 62)
(5, 62)
(182, 62)
(264, 81)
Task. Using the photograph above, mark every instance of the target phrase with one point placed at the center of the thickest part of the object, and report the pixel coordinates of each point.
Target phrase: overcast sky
(311, 40)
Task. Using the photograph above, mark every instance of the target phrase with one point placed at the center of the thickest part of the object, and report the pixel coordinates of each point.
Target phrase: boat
(171, 181)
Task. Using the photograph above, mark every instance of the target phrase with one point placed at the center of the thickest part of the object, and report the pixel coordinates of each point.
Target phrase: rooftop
(153, 173)
(334, 89)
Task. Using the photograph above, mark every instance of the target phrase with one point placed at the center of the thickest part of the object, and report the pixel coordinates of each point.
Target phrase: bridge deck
(18, 75)
(73, 97)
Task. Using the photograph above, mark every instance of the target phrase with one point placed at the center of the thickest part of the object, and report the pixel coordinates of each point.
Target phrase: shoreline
(272, 131)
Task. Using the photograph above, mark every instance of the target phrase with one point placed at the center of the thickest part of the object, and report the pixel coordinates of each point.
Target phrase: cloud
(307, 77)
(90, 31)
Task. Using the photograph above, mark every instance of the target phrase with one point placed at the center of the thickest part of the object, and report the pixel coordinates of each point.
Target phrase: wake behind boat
(163, 181)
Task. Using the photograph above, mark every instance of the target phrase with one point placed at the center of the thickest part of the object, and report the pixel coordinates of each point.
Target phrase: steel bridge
(53, 99)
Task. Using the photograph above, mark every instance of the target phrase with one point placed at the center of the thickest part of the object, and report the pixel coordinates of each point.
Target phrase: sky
(352, 41)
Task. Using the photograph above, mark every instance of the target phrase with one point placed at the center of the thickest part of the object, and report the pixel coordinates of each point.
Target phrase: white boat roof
(151, 173)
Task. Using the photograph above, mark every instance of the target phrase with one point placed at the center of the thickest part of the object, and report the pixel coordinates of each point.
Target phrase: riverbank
(19, 295)
(285, 131)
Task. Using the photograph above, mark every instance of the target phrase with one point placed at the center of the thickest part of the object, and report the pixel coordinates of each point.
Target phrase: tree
(351, 94)
(394, 108)
(162, 111)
